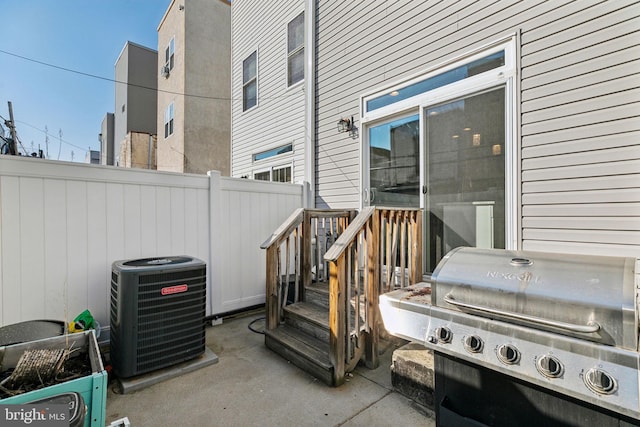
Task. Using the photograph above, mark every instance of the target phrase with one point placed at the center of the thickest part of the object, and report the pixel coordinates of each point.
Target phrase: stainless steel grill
(565, 323)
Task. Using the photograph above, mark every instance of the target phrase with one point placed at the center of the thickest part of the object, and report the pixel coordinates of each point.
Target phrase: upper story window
(295, 50)
(168, 121)
(168, 55)
(250, 81)
(288, 148)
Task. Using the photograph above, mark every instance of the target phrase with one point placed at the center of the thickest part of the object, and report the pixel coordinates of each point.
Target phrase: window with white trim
(250, 81)
(168, 121)
(263, 155)
(274, 174)
(271, 164)
(169, 54)
(444, 141)
(295, 50)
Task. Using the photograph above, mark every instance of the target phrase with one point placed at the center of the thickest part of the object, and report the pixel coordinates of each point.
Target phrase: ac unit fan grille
(170, 327)
(114, 317)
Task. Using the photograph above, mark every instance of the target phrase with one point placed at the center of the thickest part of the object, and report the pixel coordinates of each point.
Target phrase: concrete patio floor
(250, 385)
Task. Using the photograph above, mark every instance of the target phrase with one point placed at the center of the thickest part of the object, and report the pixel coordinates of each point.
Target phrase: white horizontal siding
(583, 144)
(583, 158)
(578, 88)
(590, 72)
(610, 210)
(622, 237)
(581, 184)
(599, 130)
(582, 171)
(400, 39)
(588, 248)
(579, 80)
(602, 107)
(583, 223)
(623, 195)
(278, 118)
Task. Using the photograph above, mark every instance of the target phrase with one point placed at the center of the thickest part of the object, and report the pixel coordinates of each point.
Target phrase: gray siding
(580, 128)
(578, 108)
(143, 83)
(135, 90)
(121, 99)
(278, 118)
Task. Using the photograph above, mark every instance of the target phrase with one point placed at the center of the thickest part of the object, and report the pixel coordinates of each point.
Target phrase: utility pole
(13, 149)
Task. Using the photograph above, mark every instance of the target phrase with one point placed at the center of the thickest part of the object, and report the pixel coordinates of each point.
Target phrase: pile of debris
(41, 368)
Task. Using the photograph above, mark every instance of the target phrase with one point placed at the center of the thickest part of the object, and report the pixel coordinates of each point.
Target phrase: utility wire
(45, 132)
(82, 73)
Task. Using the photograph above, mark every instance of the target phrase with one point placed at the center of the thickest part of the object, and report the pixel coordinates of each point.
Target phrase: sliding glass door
(464, 191)
(445, 141)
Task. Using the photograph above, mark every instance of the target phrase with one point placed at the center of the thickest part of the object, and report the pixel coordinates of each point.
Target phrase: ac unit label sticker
(174, 289)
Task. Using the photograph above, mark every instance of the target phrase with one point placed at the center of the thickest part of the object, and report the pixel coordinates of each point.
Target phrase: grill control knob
(444, 335)
(508, 354)
(550, 366)
(473, 344)
(599, 381)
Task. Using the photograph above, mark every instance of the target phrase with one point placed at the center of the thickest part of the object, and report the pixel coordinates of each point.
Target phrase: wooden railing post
(415, 276)
(337, 331)
(271, 297)
(373, 290)
(306, 251)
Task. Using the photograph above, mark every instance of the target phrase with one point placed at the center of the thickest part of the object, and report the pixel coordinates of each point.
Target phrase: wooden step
(309, 318)
(318, 293)
(303, 350)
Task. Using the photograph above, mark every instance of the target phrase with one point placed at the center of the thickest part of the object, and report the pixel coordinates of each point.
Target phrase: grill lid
(589, 297)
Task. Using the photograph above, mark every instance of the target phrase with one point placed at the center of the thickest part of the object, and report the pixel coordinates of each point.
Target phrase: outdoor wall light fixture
(345, 124)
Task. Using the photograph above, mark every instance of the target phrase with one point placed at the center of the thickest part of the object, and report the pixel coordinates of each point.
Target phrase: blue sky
(82, 35)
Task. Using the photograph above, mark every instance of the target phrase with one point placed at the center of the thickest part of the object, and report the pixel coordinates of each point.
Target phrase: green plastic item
(85, 319)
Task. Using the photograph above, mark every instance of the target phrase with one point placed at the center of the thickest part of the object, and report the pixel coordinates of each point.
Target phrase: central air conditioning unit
(157, 313)
(164, 71)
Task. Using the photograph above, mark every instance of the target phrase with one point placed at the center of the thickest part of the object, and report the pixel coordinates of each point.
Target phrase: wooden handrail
(285, 228)
(345, 239)
(296, 218)
(356, 225)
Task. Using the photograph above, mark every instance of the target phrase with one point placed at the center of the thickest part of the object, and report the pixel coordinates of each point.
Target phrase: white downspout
(309, 91)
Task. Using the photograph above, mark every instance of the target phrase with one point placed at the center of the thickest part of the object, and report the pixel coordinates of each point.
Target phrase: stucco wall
(198, 85)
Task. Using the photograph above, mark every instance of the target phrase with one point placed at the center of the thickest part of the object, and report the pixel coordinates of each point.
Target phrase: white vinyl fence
(63, 224)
